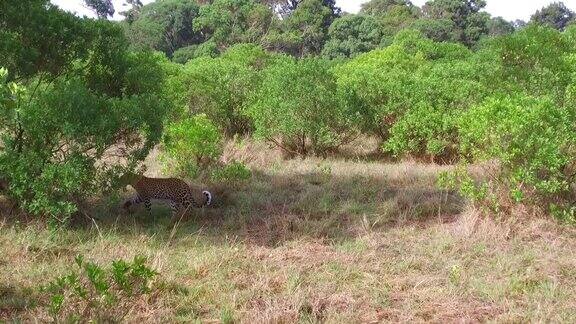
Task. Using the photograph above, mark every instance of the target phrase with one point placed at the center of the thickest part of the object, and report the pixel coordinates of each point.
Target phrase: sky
(508, 9)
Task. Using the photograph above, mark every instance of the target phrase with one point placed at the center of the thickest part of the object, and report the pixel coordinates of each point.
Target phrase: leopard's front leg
(132, 201)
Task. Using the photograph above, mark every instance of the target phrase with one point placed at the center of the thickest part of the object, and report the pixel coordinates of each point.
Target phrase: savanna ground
(336, 240)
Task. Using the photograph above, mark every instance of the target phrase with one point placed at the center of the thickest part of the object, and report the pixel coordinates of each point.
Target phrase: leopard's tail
(208, 197)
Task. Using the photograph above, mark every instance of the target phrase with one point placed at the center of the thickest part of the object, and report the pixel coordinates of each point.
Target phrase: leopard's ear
(208, 196)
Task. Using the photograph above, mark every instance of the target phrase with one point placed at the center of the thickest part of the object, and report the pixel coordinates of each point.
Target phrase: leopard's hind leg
(178, 212)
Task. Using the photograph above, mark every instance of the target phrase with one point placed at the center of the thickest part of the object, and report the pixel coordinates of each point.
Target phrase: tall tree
(286, 7)
(382, 7)
(499, 26)
(519, 24)
(555, 15)
(132, 14)
(228, 22)
(351, 35)
(304, 32)
(164, 26)
(392, 15)
(469, 22)
(441, 30)
(102, 8)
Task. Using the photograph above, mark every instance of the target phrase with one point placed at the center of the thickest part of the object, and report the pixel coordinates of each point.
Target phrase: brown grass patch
(315, 241)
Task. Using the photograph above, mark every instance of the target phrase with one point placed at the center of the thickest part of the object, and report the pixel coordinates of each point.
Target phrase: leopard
(172, 190)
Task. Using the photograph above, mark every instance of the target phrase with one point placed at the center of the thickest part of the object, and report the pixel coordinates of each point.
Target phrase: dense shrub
(232, 172)
(296, 107)
(410, 93)
(379, 86)
(433, 137)
(532, 139)
(535, 60)
(184, 54)
(68, 132)
(445, 88)
(190, 144)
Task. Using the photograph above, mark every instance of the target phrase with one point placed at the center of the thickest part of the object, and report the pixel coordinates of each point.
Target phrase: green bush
(191, 144)
(433, 137)
(94, 293)
(410, 93)
(535, 60)
(85, 111)
(185, 54)
(220, 87)
(235, 171)
(298, 109)
(532, 140)
(51, 151)
(378, 86)
(208, 49)
(445, 88)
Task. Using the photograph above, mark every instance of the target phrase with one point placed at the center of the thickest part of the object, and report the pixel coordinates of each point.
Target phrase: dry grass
(315, 241)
